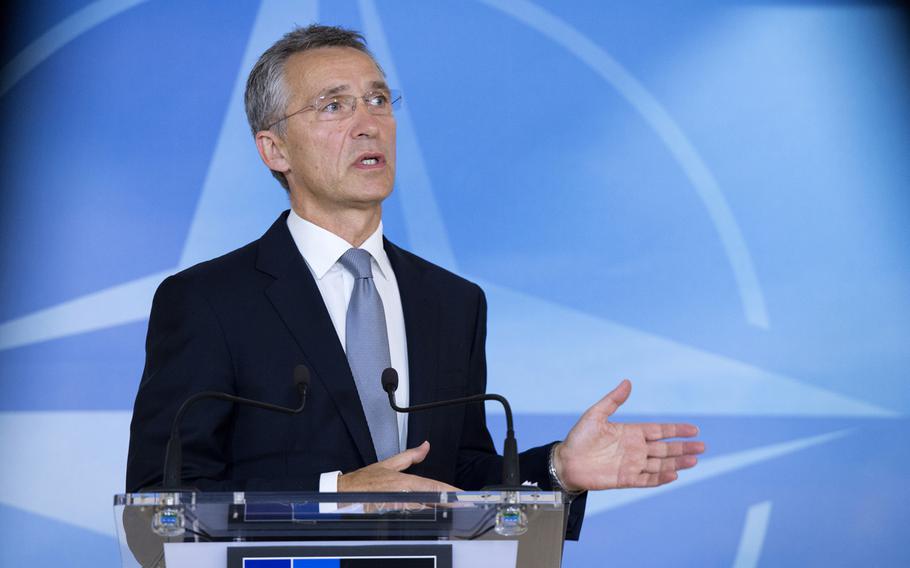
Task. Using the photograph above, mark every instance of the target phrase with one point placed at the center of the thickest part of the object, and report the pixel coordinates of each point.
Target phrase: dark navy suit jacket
(240, 324)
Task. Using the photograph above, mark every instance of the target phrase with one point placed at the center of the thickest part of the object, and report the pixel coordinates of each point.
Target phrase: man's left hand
(599, 454)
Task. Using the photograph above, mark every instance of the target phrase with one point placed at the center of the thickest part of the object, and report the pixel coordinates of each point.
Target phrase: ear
(271, 150)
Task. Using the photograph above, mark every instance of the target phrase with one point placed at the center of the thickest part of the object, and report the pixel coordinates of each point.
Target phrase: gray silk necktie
(367, 346)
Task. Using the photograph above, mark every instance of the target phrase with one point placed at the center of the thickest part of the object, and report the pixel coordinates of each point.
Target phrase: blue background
(708, 198)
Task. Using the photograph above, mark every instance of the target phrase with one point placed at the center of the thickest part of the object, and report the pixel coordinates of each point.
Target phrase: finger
(440, 487)
(406, 506)
(658, 465)
(407, 458)
(666, 477)
(417, 483)
(673, 449)
(653, 465)
(664, 431)
(606, 406)
(685, 462)
(655, 479)
(646, 480)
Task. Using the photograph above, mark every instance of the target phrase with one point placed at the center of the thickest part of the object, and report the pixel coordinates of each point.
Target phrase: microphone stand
(173, 458)
(511, 480)
(169, 518)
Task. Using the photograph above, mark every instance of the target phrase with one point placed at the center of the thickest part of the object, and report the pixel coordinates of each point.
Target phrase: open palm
(599, 454)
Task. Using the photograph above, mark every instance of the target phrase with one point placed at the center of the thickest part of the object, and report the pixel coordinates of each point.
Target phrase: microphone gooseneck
(510, 469)
(302, 380)
(173, 458)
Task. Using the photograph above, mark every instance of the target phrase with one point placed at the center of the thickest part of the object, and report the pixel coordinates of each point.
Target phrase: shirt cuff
(328, 483)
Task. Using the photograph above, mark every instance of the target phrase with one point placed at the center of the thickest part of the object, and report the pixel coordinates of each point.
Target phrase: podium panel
(524, 529)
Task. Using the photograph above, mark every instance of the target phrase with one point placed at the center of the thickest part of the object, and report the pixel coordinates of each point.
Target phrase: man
(323, 288)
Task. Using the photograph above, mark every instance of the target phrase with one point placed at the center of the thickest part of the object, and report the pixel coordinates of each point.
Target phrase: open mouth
(370, 160)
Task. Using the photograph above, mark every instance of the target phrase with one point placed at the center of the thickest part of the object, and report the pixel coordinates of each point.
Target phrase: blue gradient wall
(708, 198)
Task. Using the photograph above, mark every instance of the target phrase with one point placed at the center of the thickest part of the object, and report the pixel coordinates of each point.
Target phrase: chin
(375, 194)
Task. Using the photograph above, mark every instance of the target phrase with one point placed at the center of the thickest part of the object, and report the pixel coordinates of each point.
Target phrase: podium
(479, 529)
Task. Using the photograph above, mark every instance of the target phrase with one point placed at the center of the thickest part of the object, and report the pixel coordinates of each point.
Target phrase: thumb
(407, 458)
(606, 406)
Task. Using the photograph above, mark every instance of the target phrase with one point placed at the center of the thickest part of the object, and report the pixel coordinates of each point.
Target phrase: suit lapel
(299, 304)
(420, 314)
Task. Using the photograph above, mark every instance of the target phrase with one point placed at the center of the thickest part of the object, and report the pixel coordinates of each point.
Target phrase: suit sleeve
(187, 352)
(478, 464)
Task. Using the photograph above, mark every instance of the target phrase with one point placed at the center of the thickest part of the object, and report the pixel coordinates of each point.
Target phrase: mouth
(370, 161)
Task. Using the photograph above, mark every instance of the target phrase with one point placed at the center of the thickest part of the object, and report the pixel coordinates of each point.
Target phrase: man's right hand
(386, 475)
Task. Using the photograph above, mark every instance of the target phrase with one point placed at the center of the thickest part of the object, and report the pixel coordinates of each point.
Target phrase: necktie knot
(357, 261)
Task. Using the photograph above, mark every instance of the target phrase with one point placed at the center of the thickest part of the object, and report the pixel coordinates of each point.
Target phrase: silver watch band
(554, 477)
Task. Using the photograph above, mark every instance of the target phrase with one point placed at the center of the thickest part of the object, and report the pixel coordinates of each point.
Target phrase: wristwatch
(554, 477)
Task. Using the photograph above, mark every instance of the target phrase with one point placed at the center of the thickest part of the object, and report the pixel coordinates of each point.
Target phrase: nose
(364, 124)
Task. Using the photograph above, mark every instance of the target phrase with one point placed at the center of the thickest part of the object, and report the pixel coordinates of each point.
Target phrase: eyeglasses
(339, 107)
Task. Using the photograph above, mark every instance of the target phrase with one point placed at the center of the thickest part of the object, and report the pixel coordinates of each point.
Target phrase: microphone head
(301, 377)
(390, 380)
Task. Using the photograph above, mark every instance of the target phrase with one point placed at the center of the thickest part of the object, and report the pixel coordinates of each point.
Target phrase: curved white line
(666, 128)
(53, 39)
(426, 229)
(117, 305)
(601, 501)
(753, 537)
(233, 185)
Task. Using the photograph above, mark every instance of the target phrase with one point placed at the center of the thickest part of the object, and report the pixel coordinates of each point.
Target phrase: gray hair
(267, 96)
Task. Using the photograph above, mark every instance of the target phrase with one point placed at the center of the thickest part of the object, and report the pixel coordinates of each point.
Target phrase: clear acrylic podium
(299, 530)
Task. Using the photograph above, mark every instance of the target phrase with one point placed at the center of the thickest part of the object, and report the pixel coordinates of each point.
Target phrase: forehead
(310, 72)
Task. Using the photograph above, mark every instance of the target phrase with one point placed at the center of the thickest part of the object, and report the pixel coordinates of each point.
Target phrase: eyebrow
(334, 90)
(375, 86)
(379, 86)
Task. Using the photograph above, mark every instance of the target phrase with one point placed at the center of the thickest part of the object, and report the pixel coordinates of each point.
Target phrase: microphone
(173, 458)
(510, 475)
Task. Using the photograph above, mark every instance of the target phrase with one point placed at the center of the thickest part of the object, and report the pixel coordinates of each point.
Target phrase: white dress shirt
(321, 250)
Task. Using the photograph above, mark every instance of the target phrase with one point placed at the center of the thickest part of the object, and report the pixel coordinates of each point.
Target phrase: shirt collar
(322, 248)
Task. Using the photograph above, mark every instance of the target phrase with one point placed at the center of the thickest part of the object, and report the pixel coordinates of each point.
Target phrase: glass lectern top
(146, 522)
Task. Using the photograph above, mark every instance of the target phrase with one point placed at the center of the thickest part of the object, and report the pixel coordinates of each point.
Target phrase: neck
(354, 226)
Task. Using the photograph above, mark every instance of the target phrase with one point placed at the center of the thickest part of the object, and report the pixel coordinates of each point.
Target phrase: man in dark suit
(322, 117)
